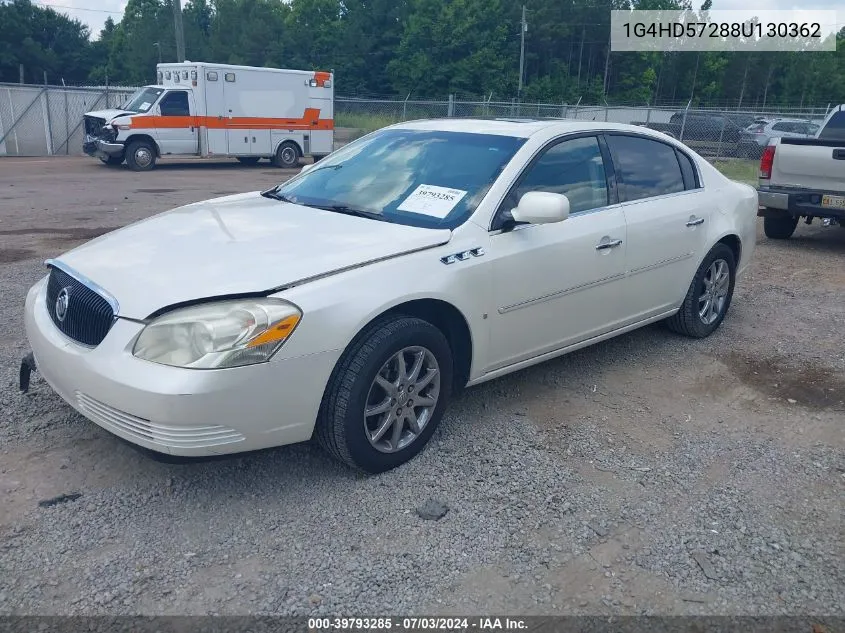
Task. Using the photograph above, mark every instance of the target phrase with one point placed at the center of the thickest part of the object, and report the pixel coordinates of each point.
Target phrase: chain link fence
(47, 120)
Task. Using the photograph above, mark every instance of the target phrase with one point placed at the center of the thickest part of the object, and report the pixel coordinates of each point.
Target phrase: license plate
(833, 202)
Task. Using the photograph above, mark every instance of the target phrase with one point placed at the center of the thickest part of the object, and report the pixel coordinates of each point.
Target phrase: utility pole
(523, 27)
(180, 33)
(581, 54)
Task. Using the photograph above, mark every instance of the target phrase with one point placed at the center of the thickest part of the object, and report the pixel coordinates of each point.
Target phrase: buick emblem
(61, 305)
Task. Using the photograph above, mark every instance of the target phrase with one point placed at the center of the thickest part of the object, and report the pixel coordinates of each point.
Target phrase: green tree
(43, 41)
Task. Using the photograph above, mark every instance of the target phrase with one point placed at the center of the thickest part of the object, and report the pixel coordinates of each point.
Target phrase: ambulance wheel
(287, 155)
(140, 156)
(248, 160)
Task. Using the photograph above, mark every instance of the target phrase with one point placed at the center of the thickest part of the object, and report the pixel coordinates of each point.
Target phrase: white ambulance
(218, 110)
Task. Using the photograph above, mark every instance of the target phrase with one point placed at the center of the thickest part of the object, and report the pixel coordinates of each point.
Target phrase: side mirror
(541, 207)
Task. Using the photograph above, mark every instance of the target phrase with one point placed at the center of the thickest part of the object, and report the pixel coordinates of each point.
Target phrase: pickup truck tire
(709, 296)
(779, 227)
(141, 156)
(112, 161)
(287, 155)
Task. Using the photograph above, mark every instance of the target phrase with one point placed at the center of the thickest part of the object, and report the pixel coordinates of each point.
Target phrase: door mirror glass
(541, 207)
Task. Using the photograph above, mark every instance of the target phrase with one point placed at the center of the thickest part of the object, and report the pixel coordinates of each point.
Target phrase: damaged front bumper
(100, 148)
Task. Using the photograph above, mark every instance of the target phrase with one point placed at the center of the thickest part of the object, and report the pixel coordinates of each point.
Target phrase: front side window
(143, 99)
(574, 168)
(175, 104)
(424, 178)
(644, 168)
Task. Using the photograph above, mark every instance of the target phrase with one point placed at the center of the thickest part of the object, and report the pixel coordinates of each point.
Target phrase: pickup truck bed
(804, 178)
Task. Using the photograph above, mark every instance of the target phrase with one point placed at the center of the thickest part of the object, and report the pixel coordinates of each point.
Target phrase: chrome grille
(88, 316)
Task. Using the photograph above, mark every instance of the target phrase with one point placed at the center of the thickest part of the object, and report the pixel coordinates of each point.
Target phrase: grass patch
(365, 122)
(736, 169)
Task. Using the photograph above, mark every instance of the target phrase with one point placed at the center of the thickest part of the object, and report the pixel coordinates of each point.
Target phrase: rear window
(834, 130)
(645, 168)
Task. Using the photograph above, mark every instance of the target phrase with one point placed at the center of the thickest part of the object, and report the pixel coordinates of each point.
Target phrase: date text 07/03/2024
(417, 624)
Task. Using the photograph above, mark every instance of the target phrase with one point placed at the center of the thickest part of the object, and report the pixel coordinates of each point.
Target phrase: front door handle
(609, 244)
(695, 222)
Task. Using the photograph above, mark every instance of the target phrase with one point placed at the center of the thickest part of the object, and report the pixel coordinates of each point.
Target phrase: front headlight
(218, 335)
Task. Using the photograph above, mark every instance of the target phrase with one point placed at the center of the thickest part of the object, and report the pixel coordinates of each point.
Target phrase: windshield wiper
(347, 210)
(275, 195)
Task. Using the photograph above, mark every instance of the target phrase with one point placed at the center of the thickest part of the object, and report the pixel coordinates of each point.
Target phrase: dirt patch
(75, 233)
(809, 385)
(10, 255)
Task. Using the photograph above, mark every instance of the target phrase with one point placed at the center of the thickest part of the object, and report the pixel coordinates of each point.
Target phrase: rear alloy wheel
(709, 296)
(111, 161)
(386, 395)
(140, 156)
(248, 160)
(287, 155)
(779, 227)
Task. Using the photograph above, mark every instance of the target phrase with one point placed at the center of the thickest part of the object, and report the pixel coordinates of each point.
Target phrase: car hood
(108, 115)
(237, 244)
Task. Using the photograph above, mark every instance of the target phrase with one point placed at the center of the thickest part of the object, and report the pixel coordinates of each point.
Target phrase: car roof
(519, 128)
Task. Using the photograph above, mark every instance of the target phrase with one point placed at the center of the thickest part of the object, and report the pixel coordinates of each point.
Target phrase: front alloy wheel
(387, 394)
(402, 399)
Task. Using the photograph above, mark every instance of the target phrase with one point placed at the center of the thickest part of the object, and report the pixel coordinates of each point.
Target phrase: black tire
(248, 160)
(779, 227)
(687, 320)
(287, 155)
(141, 156)
(112, 161)
(340, 428)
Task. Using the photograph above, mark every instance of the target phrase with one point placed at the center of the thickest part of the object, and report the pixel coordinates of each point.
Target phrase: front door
(177, 129)
(667, 214)
(557, 284)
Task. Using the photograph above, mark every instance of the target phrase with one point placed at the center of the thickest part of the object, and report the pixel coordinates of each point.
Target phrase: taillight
(757, 129)
(766, 161)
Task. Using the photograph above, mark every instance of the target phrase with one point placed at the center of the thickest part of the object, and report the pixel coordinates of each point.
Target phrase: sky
(94, 12)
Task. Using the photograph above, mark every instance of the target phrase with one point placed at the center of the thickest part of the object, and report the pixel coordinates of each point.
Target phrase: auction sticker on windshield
(432, 200)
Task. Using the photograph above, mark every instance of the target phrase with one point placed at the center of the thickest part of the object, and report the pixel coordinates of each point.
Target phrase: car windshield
(424, 178)
(143, 99)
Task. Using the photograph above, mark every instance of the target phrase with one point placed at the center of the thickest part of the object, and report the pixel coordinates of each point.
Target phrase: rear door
(237, 126)
(216, 140)
(666, 214)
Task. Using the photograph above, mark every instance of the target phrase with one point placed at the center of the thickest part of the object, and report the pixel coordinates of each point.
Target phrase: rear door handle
(609, 244)
(695, 222)
(839, 154)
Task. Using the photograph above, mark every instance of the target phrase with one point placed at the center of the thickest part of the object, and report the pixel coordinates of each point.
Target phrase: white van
(218, 110)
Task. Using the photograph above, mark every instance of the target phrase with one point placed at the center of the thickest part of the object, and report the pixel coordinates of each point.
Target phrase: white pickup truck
(804, 178)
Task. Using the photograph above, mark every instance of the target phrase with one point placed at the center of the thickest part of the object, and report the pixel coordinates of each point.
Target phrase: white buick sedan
(350, 303)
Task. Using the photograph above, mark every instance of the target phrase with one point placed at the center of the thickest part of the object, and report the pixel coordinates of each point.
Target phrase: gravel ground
(650, 474)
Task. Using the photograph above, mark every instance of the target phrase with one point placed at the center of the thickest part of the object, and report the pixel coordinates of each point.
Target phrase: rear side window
(687, 170)
(645, 168)
(834, 130)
